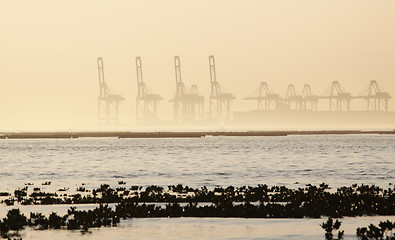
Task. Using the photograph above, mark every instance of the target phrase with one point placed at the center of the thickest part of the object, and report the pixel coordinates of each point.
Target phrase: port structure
(376, 98)
(220, 99)
(266, 99)
(108, 100)
(293, 100)
(146, 101)
(339, 98)
(309, 100)
(188, 105)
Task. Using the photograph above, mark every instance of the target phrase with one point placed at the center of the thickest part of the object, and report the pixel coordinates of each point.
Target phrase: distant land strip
(174, 134)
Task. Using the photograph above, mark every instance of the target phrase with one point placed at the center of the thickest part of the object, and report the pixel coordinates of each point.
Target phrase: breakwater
(175, 134)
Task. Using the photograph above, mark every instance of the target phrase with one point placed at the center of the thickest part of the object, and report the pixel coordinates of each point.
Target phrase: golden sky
(48, 51)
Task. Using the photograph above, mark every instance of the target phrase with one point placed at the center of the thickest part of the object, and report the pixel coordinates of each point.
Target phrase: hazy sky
(48, 51)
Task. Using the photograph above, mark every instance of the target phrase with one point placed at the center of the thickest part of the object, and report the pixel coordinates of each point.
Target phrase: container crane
(146, 101)
(220, 99)
(108, 100)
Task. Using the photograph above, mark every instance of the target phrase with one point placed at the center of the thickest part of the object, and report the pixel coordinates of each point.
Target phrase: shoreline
(106, 206)
(175, 134)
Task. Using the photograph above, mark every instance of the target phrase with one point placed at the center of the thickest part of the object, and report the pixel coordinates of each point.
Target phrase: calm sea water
(334, 159)
(293, 161)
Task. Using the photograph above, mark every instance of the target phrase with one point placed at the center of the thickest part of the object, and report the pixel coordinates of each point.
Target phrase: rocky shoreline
(260, 201)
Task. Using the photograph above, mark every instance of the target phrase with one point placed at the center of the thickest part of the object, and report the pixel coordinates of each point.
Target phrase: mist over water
(49, 75)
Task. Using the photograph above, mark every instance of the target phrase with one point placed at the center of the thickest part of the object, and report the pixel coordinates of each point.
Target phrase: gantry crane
(292, 99)
(309, 100)
(266, 99)
(338, 97)
(108, 100)
(376, 98)
(188, 105)
(146, 101)
(220, 99)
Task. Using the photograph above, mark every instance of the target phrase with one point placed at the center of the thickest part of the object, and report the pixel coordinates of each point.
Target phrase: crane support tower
(309, 101)
(266, 99)
(292, 99)
(188, 105)
(376, 98)
(220, 99)
(339, 98)
(108, 100)
(146, 101)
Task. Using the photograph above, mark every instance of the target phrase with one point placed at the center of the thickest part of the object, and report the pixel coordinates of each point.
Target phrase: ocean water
(287, 160)
(293, 161)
